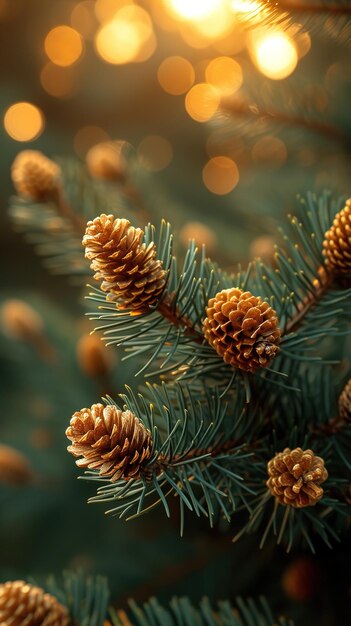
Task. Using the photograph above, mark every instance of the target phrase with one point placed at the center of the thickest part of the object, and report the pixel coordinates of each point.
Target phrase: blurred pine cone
(35, 176)
(242, 328)
(105, 160)
(295, 476)
(15, 468)
(112, 441)
(128, 269)
(25, 605)
(345, 402)
(337, 242)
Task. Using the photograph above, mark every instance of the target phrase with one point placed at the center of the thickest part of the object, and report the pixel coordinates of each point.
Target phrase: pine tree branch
(303, 7)
(178, 320)
(324, 282)
(244, 110)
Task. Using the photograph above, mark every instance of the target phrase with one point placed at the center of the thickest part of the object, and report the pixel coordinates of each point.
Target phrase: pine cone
(112, 441)
(295, 476)
(242, 328)
(25, 605)
(128, 269)
(345, 402)
(15, 468)
(35, 176)
(337, 242)
(105, 160)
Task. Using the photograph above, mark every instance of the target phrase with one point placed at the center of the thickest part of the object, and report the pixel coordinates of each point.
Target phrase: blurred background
(228, 115)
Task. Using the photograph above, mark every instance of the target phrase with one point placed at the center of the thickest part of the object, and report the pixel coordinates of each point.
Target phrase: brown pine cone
(242, 328)
(345, 402)
(337, 242)
(25, 605)
(35, 176)
(112, 441)
(105, 160)
(127, 269)
(15, 468)
(295, 476)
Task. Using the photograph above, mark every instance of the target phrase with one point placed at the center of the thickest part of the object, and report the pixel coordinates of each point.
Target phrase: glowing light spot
(24, 121)
(275, 54)
(246, 6)
(63, 45)
(83, 18)
(106, 9)
(127, 38)
(202, 102)
(201, 233)
(269, 150)
(220, 175)
(60, 82)
(155, 153)
(225, 74)
(193, 9)
(176, 75)
(88, 136)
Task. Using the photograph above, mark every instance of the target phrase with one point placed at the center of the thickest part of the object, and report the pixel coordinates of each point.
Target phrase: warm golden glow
(202, 102)
(193, 9)
(83, 18)
(201, 234)
(155, 153)
(225, 74)
(88, 136)
(24, 121)
(106, 9)
(176, 75)
(63, 45)
(57, 81)
(246, 6)
(217, 24)
(269, 150)
(274, 53)
(127, 38)
(220, 175)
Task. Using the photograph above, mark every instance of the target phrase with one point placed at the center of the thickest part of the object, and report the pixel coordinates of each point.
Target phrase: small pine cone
(295, 476)
(242, 328)
(345, 402)
(112, 441)
(337, 242)
(94, 358)
(105, 160)
(35, 176)
(128, 269)
(302, 579)
(22, 604)
(15, 468)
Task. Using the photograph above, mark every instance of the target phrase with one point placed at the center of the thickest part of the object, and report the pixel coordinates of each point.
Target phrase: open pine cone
(337, 243)
(242, 328)
(35, 176)
(127, 269)
(295, 477)
(25, 605)
(112, 441)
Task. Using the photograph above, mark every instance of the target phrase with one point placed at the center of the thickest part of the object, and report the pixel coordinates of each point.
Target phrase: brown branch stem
(324, 281)
(67, 212)
(172, 315)
(242, 109)
(303, 7)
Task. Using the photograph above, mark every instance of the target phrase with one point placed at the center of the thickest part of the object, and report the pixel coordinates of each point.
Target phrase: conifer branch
(304, 7)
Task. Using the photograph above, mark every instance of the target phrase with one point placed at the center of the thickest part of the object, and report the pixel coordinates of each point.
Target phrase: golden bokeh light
(249, 7)
(202, 102)
(216, 25)
(220, 175)
(127, 37)
(201, 234)
(88, 136)
(225, 74)
(155, 153)
(106, 9)
(193, 9)
(274, 54)
(60, 82)
(176, 75)
(83, 18)
(23, 121)
(269, 150)
(63, 45)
